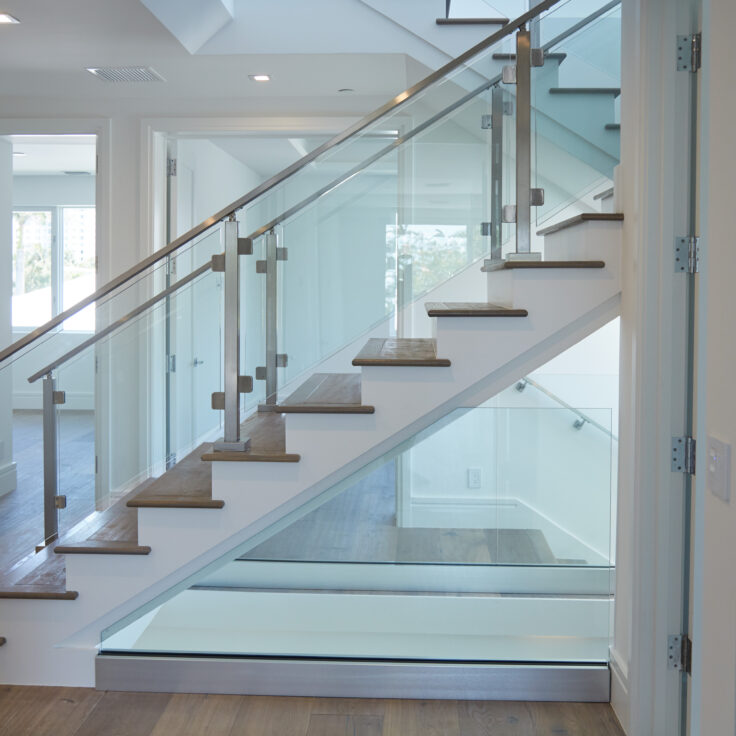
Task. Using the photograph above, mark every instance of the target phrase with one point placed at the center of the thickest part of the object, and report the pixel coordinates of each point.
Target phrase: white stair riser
(589, 240)
(501, 288)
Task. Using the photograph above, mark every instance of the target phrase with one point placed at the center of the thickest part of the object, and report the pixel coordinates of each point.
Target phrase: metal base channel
(351, 679)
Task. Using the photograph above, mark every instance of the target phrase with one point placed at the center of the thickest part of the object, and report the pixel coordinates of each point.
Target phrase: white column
(651, 190)
(714, 584)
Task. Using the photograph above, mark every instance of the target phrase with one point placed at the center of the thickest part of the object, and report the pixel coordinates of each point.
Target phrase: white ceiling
(53, 154)
(46, 55)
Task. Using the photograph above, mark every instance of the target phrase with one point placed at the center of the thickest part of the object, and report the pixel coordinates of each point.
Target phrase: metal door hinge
(687, 254)
(679, 653)
(689, 52)
(683, 455)
(170, 167)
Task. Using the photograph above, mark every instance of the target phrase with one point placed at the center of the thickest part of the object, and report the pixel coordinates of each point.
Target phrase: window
(53, 265)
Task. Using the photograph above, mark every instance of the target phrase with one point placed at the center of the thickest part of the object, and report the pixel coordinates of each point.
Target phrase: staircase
(182, 521)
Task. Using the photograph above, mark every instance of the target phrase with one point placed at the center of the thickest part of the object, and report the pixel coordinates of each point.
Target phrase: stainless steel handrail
(581, 415)
(580, 24)
(120, 322)
(238, 204)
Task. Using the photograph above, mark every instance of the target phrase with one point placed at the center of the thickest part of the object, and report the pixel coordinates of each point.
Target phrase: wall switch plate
(474, 478)
(719, 468)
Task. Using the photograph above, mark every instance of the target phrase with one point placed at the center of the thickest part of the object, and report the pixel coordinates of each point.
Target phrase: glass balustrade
(345, 245)
(485, 537)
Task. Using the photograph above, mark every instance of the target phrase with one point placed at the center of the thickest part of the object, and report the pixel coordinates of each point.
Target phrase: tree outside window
(53, 265)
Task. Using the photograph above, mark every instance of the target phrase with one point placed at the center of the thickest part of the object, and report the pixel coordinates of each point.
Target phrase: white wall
(714, 635)
(7, 467)
(217, 179)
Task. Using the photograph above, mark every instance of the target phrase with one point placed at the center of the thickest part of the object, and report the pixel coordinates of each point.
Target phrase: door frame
(101, 128)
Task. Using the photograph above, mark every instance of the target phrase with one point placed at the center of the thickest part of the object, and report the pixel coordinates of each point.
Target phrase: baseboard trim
(354, 679)
(620, 690)
(8, 478)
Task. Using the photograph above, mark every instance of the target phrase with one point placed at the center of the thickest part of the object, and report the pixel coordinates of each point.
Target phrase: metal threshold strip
(575, 682)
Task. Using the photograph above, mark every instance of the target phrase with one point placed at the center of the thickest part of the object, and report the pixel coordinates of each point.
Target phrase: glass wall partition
(486, 537)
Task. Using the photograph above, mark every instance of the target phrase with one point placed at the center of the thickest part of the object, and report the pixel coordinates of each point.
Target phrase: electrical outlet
(474, 478)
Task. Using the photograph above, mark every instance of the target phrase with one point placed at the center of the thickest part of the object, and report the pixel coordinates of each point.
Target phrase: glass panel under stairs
(484, 538)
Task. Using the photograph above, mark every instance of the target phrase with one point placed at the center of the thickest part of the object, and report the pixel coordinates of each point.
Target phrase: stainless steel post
(272, 386)
(50, 462)
(496, 172)
(231, 440)
(523, 141)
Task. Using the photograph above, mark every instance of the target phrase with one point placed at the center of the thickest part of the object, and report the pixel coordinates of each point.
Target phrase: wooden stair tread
(615, 91)
(472, 21)
(471, 309)
(28, 592)
(404, 351)
(581, 218)
(101, 547)
(510, 265)
(187, 485)
(267, 434)
(337, 393)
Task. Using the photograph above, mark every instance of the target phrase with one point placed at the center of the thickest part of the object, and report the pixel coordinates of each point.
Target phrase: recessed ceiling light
(259, 77)
(7, 18)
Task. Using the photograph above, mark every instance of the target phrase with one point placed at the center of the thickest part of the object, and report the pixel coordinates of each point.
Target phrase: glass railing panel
(576, 108)
(362, 255)
(117, 304)
(474, 519)
(76, 446)
(128, 405)
(436, 99)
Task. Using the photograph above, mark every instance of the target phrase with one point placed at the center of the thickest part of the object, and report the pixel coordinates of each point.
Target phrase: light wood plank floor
(46, 711)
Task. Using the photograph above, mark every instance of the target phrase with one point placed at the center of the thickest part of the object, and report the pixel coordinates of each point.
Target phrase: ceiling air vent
(126, 73)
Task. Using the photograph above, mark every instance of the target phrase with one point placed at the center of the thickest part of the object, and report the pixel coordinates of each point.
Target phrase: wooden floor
(37, 711)
(359, 525)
